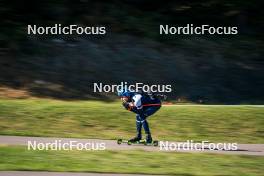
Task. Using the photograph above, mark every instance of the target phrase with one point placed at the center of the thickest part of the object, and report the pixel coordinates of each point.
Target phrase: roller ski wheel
(156, 143)
(119, 141)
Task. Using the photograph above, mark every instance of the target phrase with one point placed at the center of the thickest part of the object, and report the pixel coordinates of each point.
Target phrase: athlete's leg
(138, 127)
(146, 126)
(148, 112)
(141, 120)
(147, 131)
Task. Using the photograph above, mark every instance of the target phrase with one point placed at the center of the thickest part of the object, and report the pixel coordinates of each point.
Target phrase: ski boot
(148, 139)
(135, 139)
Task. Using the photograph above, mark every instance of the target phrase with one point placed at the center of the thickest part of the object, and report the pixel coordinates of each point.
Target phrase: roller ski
(139, 142)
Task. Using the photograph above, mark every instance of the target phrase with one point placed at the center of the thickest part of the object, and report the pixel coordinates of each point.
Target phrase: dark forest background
(210, 69)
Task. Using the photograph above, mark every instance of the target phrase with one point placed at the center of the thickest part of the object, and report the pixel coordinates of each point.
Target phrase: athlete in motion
(144, 105)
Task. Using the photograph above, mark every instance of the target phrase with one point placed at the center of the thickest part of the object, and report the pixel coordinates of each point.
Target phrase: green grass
(91, 119)
(19, 158)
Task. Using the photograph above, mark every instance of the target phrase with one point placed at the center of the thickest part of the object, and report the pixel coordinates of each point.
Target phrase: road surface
(243, 149)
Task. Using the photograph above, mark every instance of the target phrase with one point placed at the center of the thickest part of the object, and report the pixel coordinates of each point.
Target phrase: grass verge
(91, 119)
(19, 158)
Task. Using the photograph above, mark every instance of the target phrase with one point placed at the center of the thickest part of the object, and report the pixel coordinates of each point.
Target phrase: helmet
(123, 93)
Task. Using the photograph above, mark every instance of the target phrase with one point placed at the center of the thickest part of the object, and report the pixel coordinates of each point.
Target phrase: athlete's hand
(124, 99)
(131, 104)
(128, 105)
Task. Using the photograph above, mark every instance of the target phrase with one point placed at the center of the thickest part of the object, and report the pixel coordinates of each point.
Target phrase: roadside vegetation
(95, 119)
(195, 164)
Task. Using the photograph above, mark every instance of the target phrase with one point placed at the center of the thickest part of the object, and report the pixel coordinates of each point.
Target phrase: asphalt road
(243, 149)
